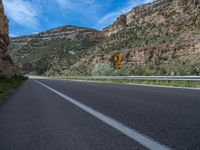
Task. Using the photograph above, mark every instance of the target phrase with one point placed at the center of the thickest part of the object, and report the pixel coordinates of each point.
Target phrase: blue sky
(32, 16)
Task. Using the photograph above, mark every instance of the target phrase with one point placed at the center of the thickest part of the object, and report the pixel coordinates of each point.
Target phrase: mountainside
(7, 69)
(53, 51)
(161, 38)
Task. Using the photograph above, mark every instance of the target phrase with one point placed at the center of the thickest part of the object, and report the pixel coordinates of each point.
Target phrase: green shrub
(105, 69)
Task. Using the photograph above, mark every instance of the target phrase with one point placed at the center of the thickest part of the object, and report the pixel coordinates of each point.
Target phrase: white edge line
(131, 133)
(157, 86)
(93, 81)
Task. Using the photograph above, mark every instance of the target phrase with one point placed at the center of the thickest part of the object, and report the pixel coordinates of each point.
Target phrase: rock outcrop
(116, 26)
(171, 14)
(73, 33)
(7, 68)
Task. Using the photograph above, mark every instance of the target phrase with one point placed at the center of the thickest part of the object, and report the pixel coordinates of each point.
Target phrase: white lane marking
(135, 84)
(131, 133)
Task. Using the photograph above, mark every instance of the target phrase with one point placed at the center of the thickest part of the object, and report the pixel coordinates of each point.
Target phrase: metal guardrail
(152, 78)
(147, 78)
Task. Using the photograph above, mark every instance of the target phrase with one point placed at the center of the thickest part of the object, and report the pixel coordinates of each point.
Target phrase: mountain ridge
(159, 38)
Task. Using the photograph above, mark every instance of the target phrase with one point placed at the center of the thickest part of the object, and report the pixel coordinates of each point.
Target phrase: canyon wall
(7, 68)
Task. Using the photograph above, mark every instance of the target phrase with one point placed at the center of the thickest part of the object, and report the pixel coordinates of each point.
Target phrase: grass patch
(191, 84)
(7, 85)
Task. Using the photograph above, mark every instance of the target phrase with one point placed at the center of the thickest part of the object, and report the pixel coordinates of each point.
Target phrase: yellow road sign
(117, 59)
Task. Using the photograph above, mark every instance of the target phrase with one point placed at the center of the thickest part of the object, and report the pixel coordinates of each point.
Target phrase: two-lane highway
(69, 115)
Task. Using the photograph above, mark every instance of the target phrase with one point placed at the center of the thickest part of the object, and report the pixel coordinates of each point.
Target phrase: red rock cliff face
(7, 68)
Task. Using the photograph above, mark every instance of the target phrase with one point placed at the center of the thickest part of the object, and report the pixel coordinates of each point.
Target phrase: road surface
(68, 115)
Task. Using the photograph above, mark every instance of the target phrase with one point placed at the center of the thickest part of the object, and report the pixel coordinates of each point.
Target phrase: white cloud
(81, 6)
(111, 17)
(148, 1)
(12, 35)
(22, 12)
(65, 4)
(35, 32)
(107, 19)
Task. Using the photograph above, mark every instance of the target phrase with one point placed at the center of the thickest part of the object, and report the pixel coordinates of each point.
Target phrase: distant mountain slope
(161, 38)
(7, 68)
(53, 51)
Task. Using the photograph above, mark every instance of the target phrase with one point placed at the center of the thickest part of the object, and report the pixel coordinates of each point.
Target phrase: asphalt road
(40, 116)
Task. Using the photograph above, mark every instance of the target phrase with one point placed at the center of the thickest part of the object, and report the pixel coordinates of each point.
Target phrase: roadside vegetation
(181, 69)
(7, 85)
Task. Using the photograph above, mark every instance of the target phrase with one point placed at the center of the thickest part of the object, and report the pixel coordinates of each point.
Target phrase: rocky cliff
(160, 38)
(172, 15)
(7, 68)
